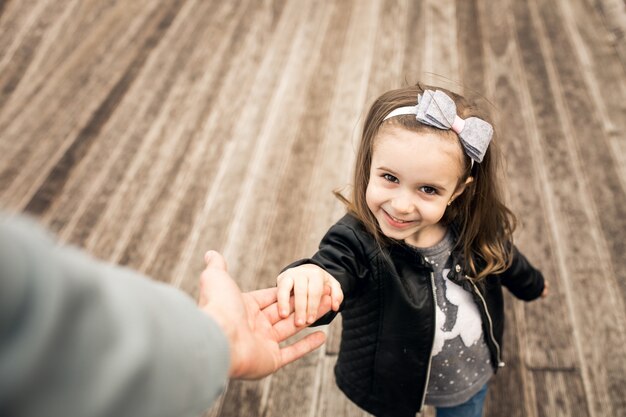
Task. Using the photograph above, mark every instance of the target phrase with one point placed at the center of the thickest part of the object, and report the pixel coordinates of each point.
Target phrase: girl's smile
(397, 223)
(413, 176)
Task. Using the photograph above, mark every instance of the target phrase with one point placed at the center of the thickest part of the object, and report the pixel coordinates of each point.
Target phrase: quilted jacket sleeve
(522, 279)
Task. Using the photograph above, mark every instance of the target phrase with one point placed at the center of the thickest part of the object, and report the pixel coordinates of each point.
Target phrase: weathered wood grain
(524, 187)
(414, 43)
(99, 68)
(440, 56)
(585, 122)
(150, 132)
(582, 260)
(22, 30)
(560, 393)
(614, 14)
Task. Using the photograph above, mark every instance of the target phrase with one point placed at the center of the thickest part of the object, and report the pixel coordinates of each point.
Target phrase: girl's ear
(461, 188)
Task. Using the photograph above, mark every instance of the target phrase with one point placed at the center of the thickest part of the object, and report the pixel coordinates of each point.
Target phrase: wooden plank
(58, 176)
(606, 211)
(23, 30)
(265, 44)
(80, 88)
(178, 193)
(131, 136)
(618, 147)
(605, 80)
(524, 191)
(584, 265)
(151, 181)
(414, 43)
(242, 399)
(440, 57)
(560, 393)
(62, 39)
(604, 74)
(230, 91)
(294, 188)
(470, 51)
(387, 67)
(614, 15)
(601, 174)
(252, 147)
(261, 185)
(153, 104)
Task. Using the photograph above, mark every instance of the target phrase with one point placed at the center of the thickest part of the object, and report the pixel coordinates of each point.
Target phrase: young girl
(417, 264)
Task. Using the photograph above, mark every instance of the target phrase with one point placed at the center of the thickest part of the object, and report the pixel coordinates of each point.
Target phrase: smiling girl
(417, 265)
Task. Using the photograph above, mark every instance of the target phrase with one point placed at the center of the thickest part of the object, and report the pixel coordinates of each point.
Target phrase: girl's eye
(390, 178)
(429, 190)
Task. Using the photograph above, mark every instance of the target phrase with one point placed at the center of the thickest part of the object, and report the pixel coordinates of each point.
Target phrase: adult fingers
(265, 297)
(306, 345)
(202, 297)
(214, 259)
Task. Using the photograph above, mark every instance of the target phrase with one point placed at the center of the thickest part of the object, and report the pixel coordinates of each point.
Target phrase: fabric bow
(437, 109)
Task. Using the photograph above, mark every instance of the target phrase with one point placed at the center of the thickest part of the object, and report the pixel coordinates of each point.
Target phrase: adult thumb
(214, 259)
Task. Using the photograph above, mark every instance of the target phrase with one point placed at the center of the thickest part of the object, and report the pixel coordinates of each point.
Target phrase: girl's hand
(309, 284)
(546, 290)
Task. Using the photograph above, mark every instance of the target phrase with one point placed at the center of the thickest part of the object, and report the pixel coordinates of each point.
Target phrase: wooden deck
(150, 131)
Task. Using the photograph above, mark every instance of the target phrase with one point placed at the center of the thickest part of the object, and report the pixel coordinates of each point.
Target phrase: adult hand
(252, 323)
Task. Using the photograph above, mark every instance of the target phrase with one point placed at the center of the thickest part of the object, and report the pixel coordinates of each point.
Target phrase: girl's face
(412, 178)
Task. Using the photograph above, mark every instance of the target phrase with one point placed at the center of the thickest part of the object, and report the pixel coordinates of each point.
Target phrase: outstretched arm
(85, 338)
(81, 337)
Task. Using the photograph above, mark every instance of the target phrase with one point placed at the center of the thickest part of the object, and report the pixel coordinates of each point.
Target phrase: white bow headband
(437, 109)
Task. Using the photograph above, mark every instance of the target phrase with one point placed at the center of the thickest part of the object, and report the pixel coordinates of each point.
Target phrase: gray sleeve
(80, 337)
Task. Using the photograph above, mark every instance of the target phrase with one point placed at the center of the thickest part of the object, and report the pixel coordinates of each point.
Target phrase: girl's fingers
(335, 293)
(300, 293)
(285, 284)
(316, 286)
(285, 328)
(272, 313)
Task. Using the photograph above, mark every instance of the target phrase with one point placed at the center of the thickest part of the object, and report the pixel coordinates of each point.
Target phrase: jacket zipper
(493, 338)
(430, 357)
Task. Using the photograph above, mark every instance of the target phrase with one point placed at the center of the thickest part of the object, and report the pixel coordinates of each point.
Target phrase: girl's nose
(402, 205)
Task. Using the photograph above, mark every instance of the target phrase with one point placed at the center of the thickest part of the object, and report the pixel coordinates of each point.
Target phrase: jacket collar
(457, 273)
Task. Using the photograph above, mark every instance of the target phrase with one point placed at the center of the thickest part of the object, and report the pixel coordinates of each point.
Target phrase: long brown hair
(485, 225)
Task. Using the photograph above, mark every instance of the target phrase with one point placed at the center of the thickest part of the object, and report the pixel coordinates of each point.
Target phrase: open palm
(252, 323)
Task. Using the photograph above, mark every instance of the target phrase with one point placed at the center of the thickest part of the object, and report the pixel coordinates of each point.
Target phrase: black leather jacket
(389, 315)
